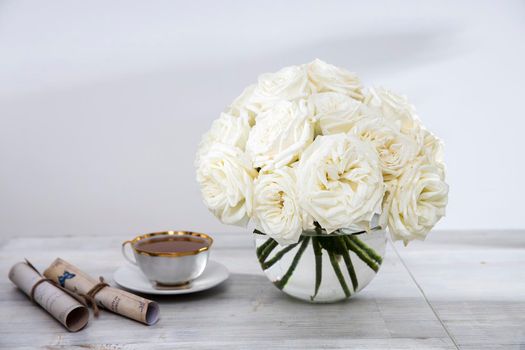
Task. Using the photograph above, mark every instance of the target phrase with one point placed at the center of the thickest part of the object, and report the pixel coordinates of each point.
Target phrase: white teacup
(171, 257)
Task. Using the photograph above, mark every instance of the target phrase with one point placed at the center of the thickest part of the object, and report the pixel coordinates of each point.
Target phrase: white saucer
(130, 277)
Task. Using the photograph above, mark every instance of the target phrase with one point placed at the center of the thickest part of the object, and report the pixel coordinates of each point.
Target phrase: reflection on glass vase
(322, 268)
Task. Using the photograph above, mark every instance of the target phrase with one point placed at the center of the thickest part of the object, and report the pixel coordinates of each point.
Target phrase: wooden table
(456, 290)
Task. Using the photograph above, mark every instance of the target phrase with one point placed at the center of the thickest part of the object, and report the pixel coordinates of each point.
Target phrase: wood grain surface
(461, 290)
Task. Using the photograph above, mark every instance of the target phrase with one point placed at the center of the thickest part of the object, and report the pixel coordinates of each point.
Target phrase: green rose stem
(279, 255)
(262, 246)
(361, 254)
(348, 263)
(318, 228)
(267, 250)
(338, 273)
(318, 252)
(334, 245)
(282, 282)
(372, 253)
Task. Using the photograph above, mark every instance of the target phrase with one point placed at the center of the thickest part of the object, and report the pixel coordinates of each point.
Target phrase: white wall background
(102, 103)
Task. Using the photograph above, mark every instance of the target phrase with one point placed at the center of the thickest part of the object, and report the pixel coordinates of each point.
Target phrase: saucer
(130, 277)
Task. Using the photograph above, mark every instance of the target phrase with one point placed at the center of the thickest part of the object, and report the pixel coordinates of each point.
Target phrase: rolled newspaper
(116, 300)
(66, 309)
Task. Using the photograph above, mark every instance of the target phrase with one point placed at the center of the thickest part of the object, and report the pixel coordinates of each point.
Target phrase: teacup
(170, 258)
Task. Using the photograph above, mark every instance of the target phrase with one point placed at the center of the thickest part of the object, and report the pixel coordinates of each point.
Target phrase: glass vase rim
(315, 233)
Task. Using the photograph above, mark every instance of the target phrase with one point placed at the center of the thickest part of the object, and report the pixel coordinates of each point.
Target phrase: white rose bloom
(390, 188)
(335, 112)
(290, 83)
(432, 147)
(418, 202)
(241, 106)
(280, 134)
(395, 150)
(340, 182)
(326, 77)
(276, 209)
(226, 181)
(228, 130)
(397, 109)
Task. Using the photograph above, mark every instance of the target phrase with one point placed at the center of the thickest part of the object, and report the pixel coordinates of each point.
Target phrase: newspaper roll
(66, 309)
(116, 300)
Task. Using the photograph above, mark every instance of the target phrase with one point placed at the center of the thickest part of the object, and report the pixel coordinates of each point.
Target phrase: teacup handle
(126, 256)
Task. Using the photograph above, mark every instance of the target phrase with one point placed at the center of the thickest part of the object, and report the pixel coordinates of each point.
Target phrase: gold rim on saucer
(189, 234)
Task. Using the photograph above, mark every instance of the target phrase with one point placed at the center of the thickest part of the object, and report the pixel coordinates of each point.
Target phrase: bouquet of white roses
(307, 148)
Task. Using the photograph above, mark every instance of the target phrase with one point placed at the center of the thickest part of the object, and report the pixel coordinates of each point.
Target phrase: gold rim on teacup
(170, 233)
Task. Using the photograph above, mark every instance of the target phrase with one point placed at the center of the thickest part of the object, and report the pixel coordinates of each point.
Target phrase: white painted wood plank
(245, 312)
(476, 282)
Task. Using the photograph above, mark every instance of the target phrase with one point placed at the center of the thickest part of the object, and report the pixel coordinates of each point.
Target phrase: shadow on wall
(88, 149)
(372, 54)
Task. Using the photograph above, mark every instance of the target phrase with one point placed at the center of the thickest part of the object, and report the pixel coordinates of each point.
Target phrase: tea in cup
(170, 258)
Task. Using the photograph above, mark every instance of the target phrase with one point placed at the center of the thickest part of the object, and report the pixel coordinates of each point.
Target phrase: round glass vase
(322, 268)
